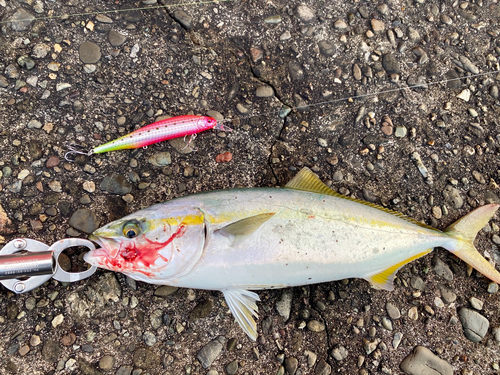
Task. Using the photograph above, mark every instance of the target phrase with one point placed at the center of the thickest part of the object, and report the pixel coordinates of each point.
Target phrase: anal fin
(243, 306)
(385, 279)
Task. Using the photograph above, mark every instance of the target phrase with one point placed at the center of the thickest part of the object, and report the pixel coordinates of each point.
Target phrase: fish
(241, 240)
(173, 127)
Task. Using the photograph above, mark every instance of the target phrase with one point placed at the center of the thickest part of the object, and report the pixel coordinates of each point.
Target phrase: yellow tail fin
(464, 231)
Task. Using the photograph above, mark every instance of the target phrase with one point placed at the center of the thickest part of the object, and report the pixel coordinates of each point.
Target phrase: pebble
(165, 291)
(232, 368)
(400, 132)
(21, 20)
(57, 320)
(398, 336)
(160, 159)
(116, 184)
(107, 362)
(340, 353)
(305, 13)
(210, 352)
(291, 365)
(89, 52)
(391, 64)
(442, 268)
(264, 92)
(370, 346)
(340, 25)
(326, 48)
(284, 304)
(476, 303)
(40, 51)
(474, 324)
(452, 197)
(116, 39)
(124, 370)
(323, 368)
(311, 357)
(315, 326)
(392, 311)
(387, 323)
(184, 19)
(322, 142)
(149, 338)
(84, 220)
(377, 25)
(464, 95)
(421, 359)
(492, 288)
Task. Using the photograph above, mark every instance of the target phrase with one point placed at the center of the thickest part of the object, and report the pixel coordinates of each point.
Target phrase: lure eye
(131, 230)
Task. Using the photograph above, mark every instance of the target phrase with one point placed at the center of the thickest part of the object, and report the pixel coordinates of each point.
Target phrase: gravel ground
(322, 84)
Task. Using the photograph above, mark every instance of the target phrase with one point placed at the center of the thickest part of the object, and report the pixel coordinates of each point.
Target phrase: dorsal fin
(306, 180)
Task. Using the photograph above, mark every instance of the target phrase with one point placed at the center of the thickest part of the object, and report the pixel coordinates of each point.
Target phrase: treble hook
(73, 149)
(188, 144)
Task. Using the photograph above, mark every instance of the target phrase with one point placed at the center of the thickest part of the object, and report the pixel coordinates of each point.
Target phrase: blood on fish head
(149, 249)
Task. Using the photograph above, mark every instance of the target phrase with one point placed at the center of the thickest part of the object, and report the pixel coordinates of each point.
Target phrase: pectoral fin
(385, 279)
(242, 304)
(240, 229)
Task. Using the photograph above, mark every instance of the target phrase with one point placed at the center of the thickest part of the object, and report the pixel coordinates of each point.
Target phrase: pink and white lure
(174, 127)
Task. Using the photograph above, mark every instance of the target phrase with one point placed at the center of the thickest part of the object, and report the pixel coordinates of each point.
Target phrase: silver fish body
(247, 239)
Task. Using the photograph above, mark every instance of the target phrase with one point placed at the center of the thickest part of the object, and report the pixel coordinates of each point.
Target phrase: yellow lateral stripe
(306, 180)
(383, 277)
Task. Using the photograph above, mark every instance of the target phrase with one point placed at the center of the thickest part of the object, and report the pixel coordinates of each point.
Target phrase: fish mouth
(108, 247)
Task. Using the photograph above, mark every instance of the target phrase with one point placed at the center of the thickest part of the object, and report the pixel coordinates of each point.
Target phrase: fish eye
(131, 230)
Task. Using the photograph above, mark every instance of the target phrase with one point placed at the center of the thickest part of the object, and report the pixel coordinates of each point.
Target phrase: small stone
(107, 362)
(35, 340)
(413, 313)
(392, 310)
(84, 220)
(315, 326)
(340, 25)
(442, 268)
(165, 291)
(340, 353)
(160, 159)
(57, 320)
(305, 13)
(421, 359)
(209, 353)
(474, 324)
(476, 303)
(323, 368)
(264, 92)
(184, 19)
(464, 95)
(492, 288)
(232, 368)
(311, 357)
(21, 20)
(327, 49)
(322, 142)
(291, 365)
(116, 184)
(284, 304)
(89, 52)
(391, 64)
(149, 338)
(370, 346)
(377, 25)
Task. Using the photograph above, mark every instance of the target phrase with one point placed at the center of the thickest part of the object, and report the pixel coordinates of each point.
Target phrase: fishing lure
(174, 127)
